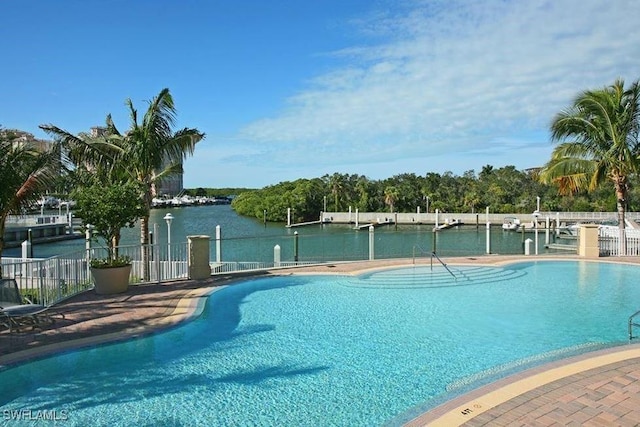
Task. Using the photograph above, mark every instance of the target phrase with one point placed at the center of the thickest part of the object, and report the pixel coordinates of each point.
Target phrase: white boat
(570, 229)
(174, 202)
(157, 202)
(511, 223)
(48, 202)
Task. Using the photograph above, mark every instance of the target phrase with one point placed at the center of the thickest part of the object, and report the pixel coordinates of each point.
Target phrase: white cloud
(456, 75)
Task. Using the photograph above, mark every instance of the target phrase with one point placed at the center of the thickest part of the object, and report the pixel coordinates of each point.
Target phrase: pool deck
(599, 388)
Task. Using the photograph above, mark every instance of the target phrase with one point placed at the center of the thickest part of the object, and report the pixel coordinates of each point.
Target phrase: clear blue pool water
(336, 350)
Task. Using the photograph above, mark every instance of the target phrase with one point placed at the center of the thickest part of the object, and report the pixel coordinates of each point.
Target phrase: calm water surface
(248, 239)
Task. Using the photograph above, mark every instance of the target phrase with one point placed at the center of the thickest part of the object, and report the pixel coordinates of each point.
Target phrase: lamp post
(169, 218)
(427, 199)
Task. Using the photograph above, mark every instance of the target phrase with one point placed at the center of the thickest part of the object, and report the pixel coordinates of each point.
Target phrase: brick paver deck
(597, 389)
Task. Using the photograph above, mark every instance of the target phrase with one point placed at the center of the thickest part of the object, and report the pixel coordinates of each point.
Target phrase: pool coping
(466, 407)
(457, 411)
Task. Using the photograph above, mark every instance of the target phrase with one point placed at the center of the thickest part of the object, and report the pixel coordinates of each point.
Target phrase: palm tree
(336, 182)
(25, 173)
(148, 151)
(600, 143)
(391, 195)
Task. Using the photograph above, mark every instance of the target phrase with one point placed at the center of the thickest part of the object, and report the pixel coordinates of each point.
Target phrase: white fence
(47, 281)
(50, 280)
(609, 241)
(235, 266)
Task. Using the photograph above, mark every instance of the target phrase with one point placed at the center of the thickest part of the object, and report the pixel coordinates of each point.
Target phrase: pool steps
(438, 276)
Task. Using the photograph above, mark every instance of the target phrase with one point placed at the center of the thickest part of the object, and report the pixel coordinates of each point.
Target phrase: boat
(511, 223)
(157, 202)
(48, 202)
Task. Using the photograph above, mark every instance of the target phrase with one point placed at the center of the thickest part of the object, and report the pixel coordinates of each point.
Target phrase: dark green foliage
(109, 209)
(216, 192)
(503, 190)
(26, 171)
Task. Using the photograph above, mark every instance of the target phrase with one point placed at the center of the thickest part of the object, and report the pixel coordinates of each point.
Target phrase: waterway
(249, 239)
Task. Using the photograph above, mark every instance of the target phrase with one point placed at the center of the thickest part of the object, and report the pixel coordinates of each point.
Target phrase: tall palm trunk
(621, 197)
(144, 246)
(144, 235)
(3, 218)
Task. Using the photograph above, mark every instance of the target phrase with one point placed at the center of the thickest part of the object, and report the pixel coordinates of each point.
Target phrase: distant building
(20, 136)
(97, 131)
(170, 186)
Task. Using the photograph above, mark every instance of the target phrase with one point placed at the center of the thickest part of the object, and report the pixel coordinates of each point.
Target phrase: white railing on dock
(33, 220)
(471, 218)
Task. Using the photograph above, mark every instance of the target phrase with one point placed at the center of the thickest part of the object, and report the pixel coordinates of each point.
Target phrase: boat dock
(448, 224)
(555, 219)
(560, 246)
(373, 224)
(302, 224)
(40, 229)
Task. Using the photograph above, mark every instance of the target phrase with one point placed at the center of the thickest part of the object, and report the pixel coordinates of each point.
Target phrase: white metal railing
(235, 266)
(609, 241)
(469, 218)
(164, 262)
(47, 281)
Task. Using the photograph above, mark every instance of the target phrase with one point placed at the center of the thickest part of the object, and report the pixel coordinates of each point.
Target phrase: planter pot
(112, 280)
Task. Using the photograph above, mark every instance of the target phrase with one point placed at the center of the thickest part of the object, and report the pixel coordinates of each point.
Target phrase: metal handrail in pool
(632, 324)
(433, 254)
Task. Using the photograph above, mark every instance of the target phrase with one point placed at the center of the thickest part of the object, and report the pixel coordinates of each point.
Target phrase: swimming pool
(336, 350)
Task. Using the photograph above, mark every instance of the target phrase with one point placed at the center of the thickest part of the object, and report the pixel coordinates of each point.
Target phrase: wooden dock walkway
(302, 224)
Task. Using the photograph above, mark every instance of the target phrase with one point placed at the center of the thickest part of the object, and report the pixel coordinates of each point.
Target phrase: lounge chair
(17, 311)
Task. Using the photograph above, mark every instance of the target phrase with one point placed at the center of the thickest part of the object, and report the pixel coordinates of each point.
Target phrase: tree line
(503, 190)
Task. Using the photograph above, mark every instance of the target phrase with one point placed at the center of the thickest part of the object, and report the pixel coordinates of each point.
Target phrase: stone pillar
(198, 257)
(588, 241)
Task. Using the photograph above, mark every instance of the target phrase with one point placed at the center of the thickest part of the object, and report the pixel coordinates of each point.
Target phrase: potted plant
(107, 209)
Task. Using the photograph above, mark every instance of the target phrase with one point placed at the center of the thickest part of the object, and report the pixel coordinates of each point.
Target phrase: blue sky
(290, 89)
